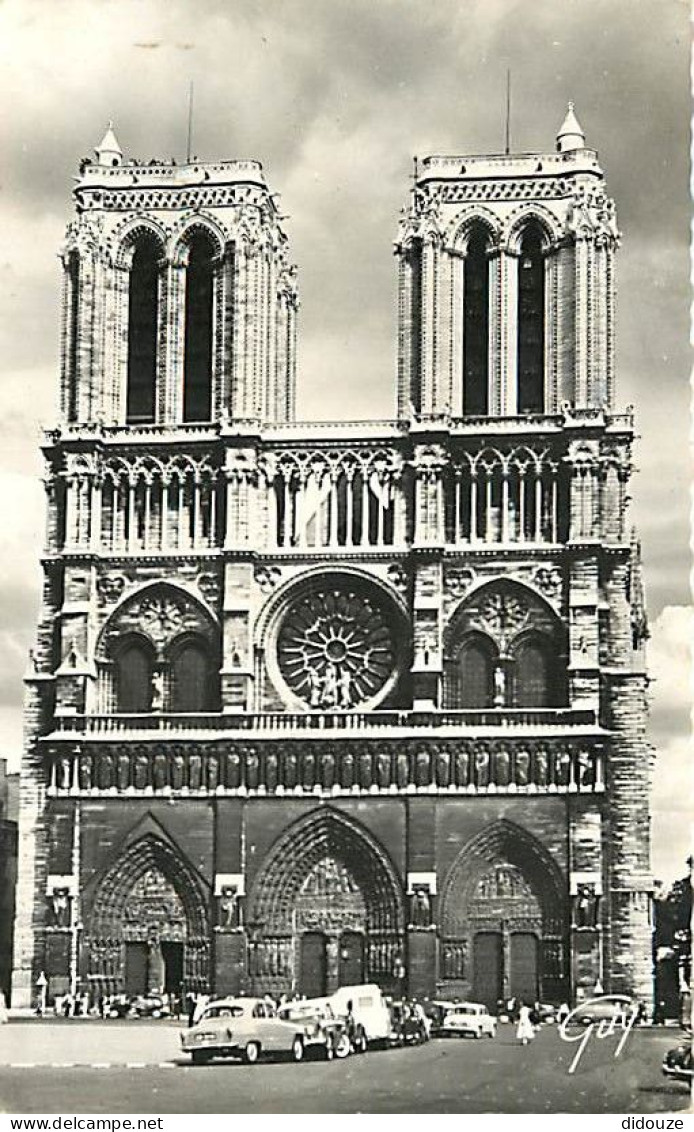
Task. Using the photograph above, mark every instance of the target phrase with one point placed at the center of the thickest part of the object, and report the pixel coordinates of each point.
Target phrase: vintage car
(367, 1010)
(602, 1008)
(323, 1030)
(150, 1006)
(677, 1063)
(468, 1018)
(408, 1024)
(248, 1028)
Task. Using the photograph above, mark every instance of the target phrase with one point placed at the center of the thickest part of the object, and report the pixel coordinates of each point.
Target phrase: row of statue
(317, 765)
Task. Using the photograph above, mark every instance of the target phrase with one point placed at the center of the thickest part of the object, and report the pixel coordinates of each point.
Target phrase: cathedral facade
(312, 703)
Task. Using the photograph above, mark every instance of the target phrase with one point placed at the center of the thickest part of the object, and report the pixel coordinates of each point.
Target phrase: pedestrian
(563, 1012)
(525, 1032)
(4, 1016)
(191, 1010)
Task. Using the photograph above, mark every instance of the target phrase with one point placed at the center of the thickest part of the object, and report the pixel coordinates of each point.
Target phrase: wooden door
(351, 959)
(312, 965)
(136, 956)
(487, 969)
(524, 981)
(173, 966)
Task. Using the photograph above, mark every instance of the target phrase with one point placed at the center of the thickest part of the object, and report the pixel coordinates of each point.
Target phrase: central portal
(325, 911)
(330, 921)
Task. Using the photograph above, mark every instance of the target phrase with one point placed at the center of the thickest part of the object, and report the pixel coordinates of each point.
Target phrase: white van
(369, 1008)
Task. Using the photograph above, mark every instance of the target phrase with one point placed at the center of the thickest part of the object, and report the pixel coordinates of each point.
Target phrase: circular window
(336, 646)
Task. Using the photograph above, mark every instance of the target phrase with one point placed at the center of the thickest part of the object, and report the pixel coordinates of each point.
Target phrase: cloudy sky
(336, 97)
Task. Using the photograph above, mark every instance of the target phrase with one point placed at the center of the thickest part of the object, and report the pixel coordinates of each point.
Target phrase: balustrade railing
(287, 723)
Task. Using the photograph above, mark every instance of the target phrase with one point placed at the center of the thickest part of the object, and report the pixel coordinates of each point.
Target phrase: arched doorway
(325, 911)
(148, 926)
(504, 920)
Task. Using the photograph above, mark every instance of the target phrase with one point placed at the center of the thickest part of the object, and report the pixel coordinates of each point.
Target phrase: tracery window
(470, 680)
(476, 325)
(143, 299)
(133, 677)
(531, 322)
(190, 687)
(197, 363)
(534, 674)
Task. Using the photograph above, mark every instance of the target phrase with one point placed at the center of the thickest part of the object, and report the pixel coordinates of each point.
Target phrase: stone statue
(347, 770)
(271, 771)
(60, 908)
(194, 771)
(141, 770)
(308, 769)
(499, 686)
(104, 771)
(402, 770)
(157, 690)
(383, 769)
(586, 775)
(233, 770)
(123, 771)
(345, 688)
(502, 767)
(315, 685)
(422, 773)
(160, 771)
(420, 910)
(85, 772)
(212, 773)
(65, 766)
(562, 767)
(443, 768)
(327, 770)
(540, 767)
(482, 768)
(462, 767)
(586, 906)
(178, 769)
(330, 686)
(365, 770)
(228, 902)
(522, 768)
(252, 768)
(291, 775)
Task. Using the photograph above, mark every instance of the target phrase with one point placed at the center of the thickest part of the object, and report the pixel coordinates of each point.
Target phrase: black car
(677, 1063)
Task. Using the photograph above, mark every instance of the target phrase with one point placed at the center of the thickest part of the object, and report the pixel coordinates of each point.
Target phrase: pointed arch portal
(326, 910)
(149, 926)
(503, 919)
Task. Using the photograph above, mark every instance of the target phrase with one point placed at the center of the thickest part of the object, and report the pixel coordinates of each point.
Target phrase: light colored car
(468, 1018)
(245, 1027)
(322, 1029)
(369, 1010)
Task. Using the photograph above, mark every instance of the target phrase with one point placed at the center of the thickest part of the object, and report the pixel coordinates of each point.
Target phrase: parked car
(322, 1029)
(677, 1063)
(119, 1007)
(407, 1023)
(245, 1027)
(150, 1006)
(603, 1008)
(469, 1018)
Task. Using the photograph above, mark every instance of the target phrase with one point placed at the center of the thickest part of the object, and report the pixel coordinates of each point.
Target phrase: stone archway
(504, 920)
(325, 910)
(148, 929)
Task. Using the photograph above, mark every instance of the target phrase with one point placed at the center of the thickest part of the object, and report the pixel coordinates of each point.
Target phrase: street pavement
(72, 1066)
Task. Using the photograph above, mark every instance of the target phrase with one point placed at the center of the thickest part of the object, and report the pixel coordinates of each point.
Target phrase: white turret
(109, 152)
(571, 134)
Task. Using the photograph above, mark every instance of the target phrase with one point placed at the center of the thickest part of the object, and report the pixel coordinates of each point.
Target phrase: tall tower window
(142, 332)
(531, 322)
(414, 256)
(197, 365)
(476, 326)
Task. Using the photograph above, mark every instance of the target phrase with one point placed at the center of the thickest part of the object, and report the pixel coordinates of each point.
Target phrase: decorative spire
(109, 152)
(571, 134)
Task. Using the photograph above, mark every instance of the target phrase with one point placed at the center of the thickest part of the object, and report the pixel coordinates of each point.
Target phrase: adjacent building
(314, 703)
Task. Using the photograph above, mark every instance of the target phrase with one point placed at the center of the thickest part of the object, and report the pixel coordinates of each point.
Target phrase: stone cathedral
(314, 704)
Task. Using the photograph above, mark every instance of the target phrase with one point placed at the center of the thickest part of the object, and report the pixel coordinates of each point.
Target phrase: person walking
(525, 1032)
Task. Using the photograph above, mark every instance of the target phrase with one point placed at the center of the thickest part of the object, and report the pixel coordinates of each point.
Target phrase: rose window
(336, 649)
